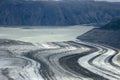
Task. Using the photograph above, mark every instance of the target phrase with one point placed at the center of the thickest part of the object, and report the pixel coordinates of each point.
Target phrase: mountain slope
(52, 13)
(113, 25)
(108, 34)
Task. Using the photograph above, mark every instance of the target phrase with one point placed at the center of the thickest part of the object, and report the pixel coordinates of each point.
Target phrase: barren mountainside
(108, 34)
(52, 13)
(113, 25)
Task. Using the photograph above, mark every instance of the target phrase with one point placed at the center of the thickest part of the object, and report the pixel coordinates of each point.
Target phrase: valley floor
(66, 59)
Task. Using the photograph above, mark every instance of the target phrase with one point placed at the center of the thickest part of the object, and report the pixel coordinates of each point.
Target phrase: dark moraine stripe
(110, 60)
(44, 71)
(70, 63)
(91, 63)
(5, 72)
